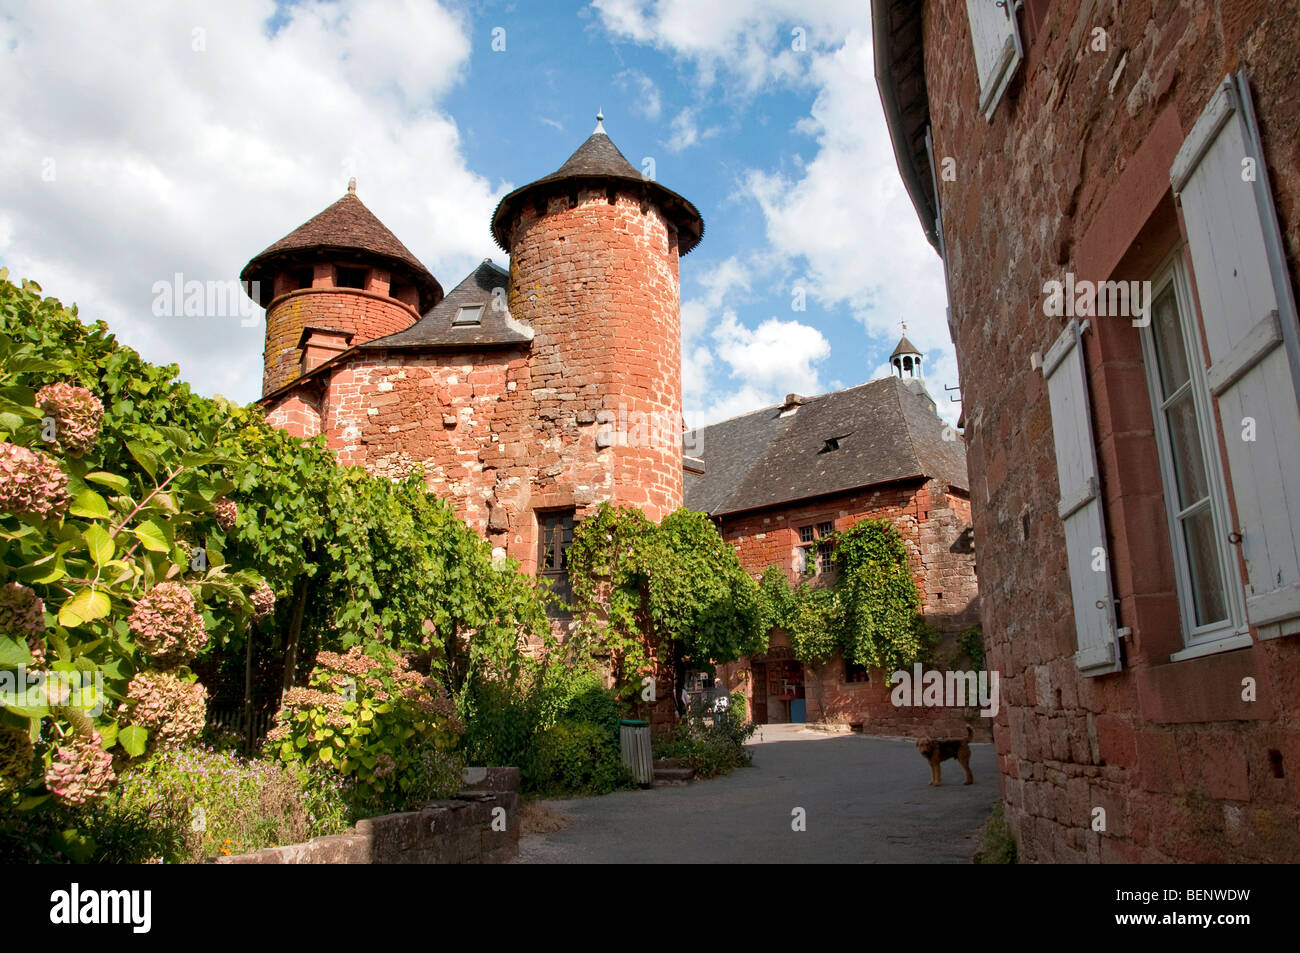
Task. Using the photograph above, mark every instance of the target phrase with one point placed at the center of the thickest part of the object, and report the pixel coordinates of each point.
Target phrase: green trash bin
(634, 744)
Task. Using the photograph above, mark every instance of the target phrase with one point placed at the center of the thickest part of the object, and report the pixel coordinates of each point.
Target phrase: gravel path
(866, 800)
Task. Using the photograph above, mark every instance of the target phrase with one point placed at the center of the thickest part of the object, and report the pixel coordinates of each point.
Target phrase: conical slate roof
(346, 230)
(904, 347)
(598, 160)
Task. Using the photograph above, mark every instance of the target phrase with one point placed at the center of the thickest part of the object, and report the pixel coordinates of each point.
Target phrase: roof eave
(919, 189)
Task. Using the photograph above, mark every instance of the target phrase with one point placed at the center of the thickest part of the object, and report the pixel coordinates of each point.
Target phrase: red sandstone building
(508, 390)
(779, 481)
(1135, 471)
(529, 397)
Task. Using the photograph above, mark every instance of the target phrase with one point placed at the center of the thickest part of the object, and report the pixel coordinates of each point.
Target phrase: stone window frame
(816, 548)
(1172, 276)
(350, 273)
(561, 520)
(855, 674)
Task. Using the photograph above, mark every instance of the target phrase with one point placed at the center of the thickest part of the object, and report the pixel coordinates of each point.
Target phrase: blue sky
(185, 137)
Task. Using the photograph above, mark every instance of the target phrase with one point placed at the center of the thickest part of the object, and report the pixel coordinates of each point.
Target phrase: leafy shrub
(710, 748)
(738, 709)
(575, 757)
(970, 644)
(368, 716)
(178, 806)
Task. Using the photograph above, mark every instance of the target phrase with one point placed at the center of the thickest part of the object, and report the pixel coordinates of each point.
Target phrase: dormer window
(832, 443)
(468, 315)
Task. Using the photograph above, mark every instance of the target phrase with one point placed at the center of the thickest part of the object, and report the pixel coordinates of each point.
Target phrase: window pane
(1185, 443)
(1168, 337)
(1203, 561)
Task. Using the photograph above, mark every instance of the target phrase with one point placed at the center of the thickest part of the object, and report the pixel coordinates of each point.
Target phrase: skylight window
(469, 314)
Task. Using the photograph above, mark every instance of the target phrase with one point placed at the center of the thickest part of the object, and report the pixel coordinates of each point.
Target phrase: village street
(866, 800)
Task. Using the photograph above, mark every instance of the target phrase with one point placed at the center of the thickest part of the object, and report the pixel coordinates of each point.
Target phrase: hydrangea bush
(369, 717)
(109, 583)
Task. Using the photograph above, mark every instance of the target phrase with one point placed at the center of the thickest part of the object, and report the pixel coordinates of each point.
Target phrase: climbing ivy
(638, 586)
(872, 612)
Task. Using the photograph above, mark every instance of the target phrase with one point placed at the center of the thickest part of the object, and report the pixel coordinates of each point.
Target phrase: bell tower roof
(598, 161)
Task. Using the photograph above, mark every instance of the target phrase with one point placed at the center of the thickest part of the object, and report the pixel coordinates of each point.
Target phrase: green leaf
(154, 535)
(14, 652)
(147, 459)
(108, 735)
(90, 504)
(99, 544)
(133, 740)
(111, 480)
(86, 606)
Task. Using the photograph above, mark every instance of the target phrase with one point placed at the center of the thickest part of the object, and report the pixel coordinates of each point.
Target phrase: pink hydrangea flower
(81, 772)
(22, 614)
(16, 753)
(263, 599)
(167, 625)
(31, 482)
(77, 413)
(173, 710)
(227, 512)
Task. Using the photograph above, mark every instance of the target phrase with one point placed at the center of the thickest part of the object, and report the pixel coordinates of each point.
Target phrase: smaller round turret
(342, 277)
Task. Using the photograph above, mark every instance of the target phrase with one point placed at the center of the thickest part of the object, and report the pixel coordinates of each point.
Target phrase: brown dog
(936, 750)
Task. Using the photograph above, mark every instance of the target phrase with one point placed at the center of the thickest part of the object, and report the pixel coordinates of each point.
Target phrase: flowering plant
(111, 580)
(367, 715)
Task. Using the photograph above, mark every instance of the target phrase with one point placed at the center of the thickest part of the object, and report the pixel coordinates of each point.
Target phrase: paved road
(866, 800)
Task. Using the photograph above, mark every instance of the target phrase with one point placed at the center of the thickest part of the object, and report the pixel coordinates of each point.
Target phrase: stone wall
(934, 522)
(1072, 175)
(456, 831)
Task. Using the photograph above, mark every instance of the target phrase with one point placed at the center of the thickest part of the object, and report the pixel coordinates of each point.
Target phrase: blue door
(798, 710)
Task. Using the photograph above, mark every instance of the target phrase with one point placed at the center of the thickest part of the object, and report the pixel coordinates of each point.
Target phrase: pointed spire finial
(600, 118)
(352, 185)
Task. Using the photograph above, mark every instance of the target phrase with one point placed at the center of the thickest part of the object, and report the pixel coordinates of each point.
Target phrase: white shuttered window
(1249, 315)
(997, 48)
(1080, 504)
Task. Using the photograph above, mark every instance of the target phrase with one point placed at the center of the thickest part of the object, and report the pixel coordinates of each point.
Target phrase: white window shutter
(1249, 312)
(1080, 504)
(997, 48)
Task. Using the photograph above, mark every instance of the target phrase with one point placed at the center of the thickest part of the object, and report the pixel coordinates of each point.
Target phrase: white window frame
(469, 315)
(1231, 633)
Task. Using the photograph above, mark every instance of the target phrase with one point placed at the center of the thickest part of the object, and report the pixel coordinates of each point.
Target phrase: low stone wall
(480, 825)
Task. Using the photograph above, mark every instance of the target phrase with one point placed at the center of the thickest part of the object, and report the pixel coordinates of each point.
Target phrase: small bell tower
(906, 359)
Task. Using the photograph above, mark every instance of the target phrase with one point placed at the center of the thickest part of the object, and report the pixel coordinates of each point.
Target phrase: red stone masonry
(934, 522)
(1072, 175)
(597, 281)
(366, 314)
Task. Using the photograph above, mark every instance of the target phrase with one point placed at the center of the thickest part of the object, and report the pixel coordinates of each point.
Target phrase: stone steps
(672, 772)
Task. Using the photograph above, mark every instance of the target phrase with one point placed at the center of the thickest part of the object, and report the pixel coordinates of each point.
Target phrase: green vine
(872, 612)
(637, 585)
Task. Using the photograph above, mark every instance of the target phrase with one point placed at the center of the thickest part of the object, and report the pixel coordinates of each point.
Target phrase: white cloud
(750, 43)
(777, 355)
(648, 102)
(841, 217)
(169, 158)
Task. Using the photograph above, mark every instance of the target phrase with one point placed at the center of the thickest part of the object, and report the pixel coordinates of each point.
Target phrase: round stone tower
(340, 279)
(594, 248)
